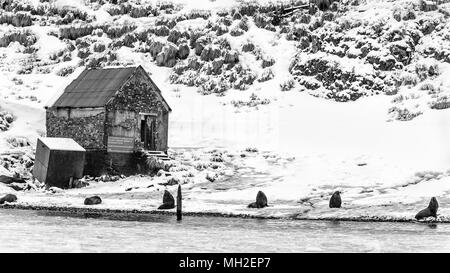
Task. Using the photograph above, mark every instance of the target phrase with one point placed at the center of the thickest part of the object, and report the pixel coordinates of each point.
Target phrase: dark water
(34, 231)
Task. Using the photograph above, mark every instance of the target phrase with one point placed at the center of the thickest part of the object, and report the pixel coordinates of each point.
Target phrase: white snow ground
(384, 169)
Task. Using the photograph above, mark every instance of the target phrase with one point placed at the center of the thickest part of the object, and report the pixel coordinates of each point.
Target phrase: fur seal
(431, 210)
(168, 201)
(8, 198)
(93, 200)
(261, 201)
(335, 200)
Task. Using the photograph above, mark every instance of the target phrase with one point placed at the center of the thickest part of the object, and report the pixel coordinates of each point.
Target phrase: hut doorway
(148, 130)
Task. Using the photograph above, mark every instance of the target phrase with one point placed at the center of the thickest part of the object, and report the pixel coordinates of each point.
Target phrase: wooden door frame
(148, 138)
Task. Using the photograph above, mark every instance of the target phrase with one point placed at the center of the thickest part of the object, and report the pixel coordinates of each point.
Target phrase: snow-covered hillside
(356, 94)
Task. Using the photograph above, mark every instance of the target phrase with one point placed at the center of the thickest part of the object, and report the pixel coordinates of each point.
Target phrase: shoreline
(125, 215)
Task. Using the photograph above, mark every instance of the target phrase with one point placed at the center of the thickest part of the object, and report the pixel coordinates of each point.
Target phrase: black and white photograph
(224, 126)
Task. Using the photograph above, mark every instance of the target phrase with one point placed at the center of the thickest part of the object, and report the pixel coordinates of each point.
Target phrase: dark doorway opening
(148, 132)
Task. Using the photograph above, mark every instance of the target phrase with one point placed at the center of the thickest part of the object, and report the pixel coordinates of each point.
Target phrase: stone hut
(113, 113)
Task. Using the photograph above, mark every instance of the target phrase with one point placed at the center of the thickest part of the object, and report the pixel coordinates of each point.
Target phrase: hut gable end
(117, 110)
(138, 94)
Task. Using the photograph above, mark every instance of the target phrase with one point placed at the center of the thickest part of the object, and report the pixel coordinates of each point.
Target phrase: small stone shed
(58, 160)
(113, 113)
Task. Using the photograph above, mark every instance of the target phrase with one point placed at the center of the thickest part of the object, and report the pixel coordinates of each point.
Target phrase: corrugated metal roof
(94, 87)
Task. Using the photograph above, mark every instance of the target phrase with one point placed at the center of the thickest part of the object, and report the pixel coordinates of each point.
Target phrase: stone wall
(88, 131)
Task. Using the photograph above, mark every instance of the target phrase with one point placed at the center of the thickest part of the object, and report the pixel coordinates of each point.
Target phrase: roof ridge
(94, 87)
(114, 67)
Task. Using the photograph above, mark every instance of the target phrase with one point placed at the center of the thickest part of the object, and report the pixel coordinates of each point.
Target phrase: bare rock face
(168, 201)
(335, 200)
(93, 200)
(431, 210)
(8, 198)
(261, 201)
(167, 56)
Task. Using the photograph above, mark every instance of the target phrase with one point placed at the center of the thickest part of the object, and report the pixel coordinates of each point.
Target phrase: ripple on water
(40, 231)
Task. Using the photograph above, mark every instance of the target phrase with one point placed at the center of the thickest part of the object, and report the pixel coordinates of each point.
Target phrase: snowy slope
(355, 146)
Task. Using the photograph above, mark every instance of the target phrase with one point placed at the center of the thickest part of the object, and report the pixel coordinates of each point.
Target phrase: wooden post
(179, 203)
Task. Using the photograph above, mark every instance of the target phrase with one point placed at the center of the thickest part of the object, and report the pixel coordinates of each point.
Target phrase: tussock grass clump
(197, 13)
(254, 101)
(116, 31)
(65, 71)
(442, 102)
(5, 120)
(266, 75)
(407, 78)
(135, 11)
(287, 84)
(403, 114)
(75, 31)
(428, 86)
(23, 37)
(425, 70)
(19, 19)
